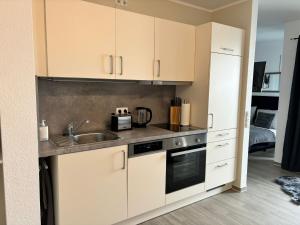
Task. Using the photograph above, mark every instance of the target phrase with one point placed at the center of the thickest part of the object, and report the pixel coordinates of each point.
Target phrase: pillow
(274, 124)
(253, 111)
(264, 120)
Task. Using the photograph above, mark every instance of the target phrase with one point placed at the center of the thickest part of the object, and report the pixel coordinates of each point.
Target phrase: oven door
(185, 167)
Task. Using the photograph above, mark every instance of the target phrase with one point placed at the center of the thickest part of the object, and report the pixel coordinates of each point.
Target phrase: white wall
(244, 16)
(18, 113)
(271, 52)
(292, 29)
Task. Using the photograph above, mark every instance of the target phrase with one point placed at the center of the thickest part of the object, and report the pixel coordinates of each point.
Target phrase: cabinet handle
(228, 49)
(223, 145)
(158, 68)
(222, 165)
(121, 61)
(212, 120)
(111, 64)
(188, 152)
(223, 135)
(124, 160)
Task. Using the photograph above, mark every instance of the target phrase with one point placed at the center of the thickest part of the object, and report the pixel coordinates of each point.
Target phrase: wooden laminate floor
(263, 203)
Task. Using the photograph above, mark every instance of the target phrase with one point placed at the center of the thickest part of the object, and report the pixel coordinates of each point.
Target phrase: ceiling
(209, 5)
(273, 14)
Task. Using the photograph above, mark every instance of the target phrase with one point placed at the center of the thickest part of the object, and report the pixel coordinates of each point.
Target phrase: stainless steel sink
(94, 137)
(87, 138)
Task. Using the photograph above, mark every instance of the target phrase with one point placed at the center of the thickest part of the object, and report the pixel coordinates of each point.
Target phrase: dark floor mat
(291, 186)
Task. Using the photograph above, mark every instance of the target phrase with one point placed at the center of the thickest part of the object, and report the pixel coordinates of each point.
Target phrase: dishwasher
(160, 167)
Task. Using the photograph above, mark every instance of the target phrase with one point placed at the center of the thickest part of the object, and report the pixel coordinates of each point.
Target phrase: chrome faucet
(73, 128)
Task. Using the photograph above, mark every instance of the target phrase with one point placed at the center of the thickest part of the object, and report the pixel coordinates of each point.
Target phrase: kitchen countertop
(49, 148)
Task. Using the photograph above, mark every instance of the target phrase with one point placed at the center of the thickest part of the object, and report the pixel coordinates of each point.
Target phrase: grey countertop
(49, 148)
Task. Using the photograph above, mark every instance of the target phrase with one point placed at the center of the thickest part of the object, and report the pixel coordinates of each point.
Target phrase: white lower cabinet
(221, 135)
(218, 151)
(146, 183)
(90, 188)
(220, 173)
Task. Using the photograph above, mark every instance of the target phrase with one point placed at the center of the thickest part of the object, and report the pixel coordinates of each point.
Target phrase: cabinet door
(219, 173)
(91, 187)
(80, 39)
(221, 150)
(227, 39)
(224, 89)
(174, 51)
(134, 46)
(146, 183)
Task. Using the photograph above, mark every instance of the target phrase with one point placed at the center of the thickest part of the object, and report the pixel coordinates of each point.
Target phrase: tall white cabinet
(224, 86)
(214, 97)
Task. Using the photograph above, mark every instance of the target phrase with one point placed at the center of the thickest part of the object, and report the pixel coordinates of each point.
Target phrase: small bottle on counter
(44, 131)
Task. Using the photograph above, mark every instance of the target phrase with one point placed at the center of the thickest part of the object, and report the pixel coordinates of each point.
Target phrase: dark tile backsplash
(62, 102)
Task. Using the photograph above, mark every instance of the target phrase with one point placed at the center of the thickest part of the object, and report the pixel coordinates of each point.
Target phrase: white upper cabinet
(227, 39)
(80, 39)
(224, 89)
(134, 46)
(174, 51)
(88, 40)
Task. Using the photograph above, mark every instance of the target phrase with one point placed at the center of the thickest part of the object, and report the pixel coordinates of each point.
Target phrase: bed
(261, 139)
(262, 130)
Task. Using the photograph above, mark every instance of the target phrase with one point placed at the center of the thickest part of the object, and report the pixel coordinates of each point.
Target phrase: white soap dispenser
(44, 131)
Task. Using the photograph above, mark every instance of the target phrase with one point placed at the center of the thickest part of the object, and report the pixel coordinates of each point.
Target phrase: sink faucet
(73, 128)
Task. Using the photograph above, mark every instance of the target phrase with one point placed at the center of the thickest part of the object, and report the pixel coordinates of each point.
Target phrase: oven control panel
(150, 147)
(185, 141)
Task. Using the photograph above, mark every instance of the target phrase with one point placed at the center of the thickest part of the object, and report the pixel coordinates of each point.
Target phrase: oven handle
(188, 152)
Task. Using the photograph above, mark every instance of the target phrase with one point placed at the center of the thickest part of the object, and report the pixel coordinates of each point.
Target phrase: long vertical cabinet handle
(158, 68)
(124, 160)
(212, 120)
(111, 57)
(121, 64)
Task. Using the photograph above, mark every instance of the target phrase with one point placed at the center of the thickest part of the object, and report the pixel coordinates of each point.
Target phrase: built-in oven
(186, 158)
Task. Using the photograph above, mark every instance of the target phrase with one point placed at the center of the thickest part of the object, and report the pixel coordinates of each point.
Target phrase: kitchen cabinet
(220, 173)
(80, 39)
(174, 51)
(227, 39)
(224, 89)
(134, 46)
(214, 95)
(91, 187)
(146, 183)
(221, 135)
(221, 150)
(84, 39)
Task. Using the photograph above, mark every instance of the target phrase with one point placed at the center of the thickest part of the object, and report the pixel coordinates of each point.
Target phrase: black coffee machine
(141, 117)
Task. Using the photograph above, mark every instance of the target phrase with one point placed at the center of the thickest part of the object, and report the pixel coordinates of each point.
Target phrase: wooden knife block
(175, 115)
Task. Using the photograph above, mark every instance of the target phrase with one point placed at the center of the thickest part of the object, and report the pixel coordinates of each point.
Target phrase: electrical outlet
(122, 110)
(121, 2)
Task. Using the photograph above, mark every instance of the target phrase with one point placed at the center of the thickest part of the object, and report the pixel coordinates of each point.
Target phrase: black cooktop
(175, 128)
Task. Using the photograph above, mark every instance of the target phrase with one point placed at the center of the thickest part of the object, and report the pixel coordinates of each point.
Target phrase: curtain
(291, 148)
